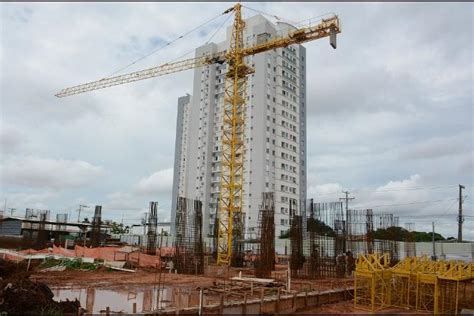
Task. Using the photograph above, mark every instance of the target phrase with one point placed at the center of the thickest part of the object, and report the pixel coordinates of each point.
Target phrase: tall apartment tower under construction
(275, 145)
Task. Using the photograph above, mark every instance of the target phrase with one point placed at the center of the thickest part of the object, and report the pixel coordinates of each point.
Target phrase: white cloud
(158, 183)
(410, 183)
(49, 173)
(321, 192)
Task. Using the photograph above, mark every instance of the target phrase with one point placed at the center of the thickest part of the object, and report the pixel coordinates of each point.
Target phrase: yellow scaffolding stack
(419, 283)
(372, 282)
(404, 283)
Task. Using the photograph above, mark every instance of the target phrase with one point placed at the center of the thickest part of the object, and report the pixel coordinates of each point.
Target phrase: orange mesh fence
(32, 251)
(104, 253)
(63, 251)
(148, 261)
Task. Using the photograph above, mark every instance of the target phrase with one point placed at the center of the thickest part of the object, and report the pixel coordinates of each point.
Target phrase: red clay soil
(321, 284)
(347, 307)
(104, 277)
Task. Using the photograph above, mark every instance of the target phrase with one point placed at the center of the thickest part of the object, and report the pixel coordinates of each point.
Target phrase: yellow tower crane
(232, 141)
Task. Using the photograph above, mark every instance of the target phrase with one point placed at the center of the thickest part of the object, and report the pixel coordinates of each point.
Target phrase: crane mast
(230, 220)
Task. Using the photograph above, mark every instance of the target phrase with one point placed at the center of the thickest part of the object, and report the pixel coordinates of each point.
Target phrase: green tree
(116, 228)
(320, 228)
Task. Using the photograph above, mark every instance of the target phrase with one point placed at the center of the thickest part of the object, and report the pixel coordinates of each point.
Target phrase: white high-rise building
(275, 146)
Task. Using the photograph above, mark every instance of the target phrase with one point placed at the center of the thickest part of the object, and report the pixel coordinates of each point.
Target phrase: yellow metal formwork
(404, 283)
(440, 287)
(372, 282)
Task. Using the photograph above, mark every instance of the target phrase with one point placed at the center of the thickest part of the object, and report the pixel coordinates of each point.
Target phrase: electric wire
(429, 187)
(411, 203)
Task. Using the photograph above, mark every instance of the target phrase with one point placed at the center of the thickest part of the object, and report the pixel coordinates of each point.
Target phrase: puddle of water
(119, 299)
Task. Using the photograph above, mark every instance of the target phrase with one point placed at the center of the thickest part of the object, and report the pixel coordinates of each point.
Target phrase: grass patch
(74, 264)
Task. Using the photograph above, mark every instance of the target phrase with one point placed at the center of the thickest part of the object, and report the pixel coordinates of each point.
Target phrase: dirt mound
(20, 295)
(10, 269)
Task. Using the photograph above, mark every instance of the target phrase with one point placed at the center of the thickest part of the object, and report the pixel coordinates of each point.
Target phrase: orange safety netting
(104, 253)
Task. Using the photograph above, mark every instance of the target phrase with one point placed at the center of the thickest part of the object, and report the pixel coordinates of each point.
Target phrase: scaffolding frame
(438, 287)
(372, 282)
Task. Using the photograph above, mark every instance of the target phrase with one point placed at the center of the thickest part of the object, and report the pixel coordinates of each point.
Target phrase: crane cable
(207, 42)
(268, 14)
(167, 44)
(296, 24)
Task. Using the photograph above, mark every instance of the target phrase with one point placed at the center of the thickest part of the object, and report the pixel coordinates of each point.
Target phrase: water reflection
(119, 299)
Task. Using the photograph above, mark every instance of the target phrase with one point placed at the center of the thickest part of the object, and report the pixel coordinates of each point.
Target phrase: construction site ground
(213, 280)
(104, 277)
(347, 307)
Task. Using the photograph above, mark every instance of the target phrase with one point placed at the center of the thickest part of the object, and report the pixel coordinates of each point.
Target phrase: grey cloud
(435, 148)
(467, 165)
(400, 77)
(21, 200)
(48, 173)
(11, 139)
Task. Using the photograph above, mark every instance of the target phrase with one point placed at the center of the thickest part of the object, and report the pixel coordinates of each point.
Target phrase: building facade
(180, 152)
(275, 144)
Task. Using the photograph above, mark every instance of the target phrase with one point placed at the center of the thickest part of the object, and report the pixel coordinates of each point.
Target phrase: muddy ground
(105, 277)
(347, 307)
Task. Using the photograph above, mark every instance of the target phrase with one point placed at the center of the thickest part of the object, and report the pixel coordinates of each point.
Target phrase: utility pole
(346, 226)
(460, 217)
(79, 212)
(433, 239)
(347, 198)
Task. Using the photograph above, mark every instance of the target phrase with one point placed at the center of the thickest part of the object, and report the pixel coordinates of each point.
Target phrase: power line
(346, 198)
(430, 187)
(411, 203)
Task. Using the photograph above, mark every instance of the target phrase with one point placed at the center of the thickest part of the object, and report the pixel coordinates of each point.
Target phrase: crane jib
(230, 225)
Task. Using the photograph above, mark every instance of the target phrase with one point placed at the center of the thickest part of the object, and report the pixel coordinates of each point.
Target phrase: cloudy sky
(390, 119)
